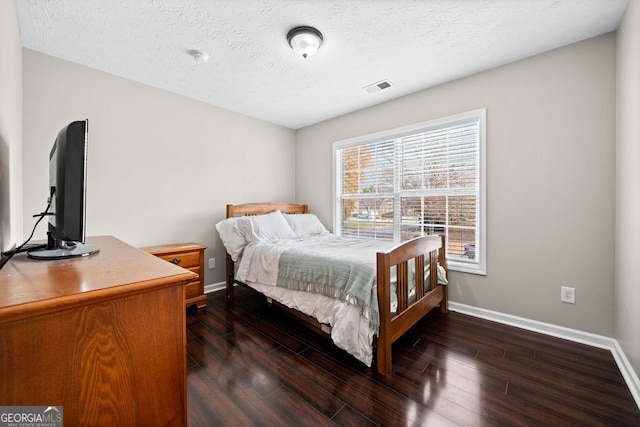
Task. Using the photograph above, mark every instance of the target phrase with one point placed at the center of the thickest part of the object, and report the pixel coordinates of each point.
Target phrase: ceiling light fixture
(305, 41)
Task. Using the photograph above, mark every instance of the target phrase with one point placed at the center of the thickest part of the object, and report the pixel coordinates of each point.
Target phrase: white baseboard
(214, 287)
(627, 371)
(611, 344)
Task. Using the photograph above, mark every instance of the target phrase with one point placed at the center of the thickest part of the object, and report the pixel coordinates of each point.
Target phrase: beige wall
(10, 127)
(627, 292)
(550, 182)
(161, 167)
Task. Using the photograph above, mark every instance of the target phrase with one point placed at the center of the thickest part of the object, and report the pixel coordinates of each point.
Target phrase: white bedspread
(350, 330)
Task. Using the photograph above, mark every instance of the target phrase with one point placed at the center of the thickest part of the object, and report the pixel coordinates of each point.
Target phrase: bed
(283, 263)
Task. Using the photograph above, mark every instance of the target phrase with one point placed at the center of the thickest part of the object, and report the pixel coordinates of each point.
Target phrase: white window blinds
(421, 179)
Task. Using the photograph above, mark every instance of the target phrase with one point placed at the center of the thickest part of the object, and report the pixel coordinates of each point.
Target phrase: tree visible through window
(421, 179)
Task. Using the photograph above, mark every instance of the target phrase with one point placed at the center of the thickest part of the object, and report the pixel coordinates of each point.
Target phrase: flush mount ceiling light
(305, 41)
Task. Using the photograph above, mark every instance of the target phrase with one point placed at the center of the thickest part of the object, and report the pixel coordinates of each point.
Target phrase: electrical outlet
(568, 294)
(212, 263)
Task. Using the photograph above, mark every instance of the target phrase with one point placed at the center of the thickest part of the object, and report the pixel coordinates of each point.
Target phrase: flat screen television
(67, 192)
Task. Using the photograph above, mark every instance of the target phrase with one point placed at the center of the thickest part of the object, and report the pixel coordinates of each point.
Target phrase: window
(427, 178)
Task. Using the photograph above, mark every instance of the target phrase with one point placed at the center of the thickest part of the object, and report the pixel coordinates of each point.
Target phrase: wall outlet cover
(568, 294)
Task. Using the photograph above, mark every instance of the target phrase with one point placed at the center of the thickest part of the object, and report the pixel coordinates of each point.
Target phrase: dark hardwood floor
(249, 364)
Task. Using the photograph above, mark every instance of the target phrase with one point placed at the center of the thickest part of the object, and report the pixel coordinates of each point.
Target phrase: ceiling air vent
(377, 87)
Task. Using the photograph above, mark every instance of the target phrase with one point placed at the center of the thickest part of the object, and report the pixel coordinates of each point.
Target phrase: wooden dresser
(102, 336)
(191, 257)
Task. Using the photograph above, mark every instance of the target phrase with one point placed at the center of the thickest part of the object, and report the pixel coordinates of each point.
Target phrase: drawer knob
(175, 261)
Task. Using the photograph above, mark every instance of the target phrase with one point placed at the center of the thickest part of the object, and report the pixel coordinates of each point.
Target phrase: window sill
(466, 268)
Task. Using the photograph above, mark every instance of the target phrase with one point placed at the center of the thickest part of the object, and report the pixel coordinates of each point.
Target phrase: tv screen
(67, 192)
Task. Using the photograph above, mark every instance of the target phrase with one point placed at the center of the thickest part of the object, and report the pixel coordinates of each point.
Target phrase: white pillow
(260, 228)
(305, 224)
(233, 241)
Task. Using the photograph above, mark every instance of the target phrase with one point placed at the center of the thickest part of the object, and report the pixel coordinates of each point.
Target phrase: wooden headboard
(256, 209)
(263, 208)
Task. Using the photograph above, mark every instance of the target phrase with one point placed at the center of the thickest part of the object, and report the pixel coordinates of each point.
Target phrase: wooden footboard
(429, 249)
(421, 250)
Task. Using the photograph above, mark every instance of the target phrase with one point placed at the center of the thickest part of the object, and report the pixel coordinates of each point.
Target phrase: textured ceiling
(252, 70)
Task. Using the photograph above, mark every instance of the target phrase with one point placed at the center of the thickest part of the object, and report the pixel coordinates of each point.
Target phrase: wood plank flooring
(249, 364)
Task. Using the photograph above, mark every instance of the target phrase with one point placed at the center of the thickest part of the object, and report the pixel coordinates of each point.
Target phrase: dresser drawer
(196, 270)
(184, 260)
(192, 289)
(189, 256)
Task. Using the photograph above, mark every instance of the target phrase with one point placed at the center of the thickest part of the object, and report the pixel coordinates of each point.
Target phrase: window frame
(478, 115)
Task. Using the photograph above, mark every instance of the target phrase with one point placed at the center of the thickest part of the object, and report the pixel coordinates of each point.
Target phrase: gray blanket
(343, 269)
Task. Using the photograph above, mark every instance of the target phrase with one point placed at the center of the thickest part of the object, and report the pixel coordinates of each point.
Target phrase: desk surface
(31, 287)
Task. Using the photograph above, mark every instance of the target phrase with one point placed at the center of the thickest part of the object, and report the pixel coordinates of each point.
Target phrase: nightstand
(191, 257)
